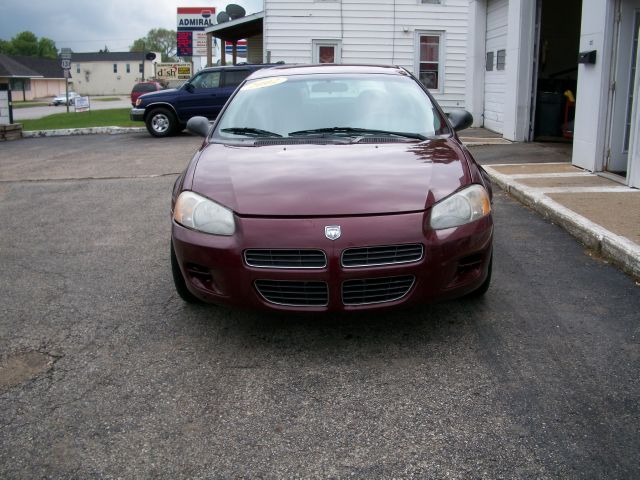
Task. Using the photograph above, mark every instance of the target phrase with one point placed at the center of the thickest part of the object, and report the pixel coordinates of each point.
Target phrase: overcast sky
(89, 25)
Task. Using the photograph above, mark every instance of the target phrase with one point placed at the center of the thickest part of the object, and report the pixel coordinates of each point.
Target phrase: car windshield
(331, 105)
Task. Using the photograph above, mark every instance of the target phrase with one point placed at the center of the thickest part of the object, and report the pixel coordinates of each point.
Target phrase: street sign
(66, 63)
(82, 104)
(65, 53)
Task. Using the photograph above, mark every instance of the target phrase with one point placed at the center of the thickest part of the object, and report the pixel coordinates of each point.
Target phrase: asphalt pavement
(96, 104)
(106, 373)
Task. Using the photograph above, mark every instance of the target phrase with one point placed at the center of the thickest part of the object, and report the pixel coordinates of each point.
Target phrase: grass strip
(29, 104)
(118, 117)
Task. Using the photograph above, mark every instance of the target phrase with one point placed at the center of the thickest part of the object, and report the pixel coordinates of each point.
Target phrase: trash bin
(549, 114)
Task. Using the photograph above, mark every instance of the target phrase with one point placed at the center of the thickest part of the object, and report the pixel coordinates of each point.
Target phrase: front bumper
(215, 270)
(137, 114)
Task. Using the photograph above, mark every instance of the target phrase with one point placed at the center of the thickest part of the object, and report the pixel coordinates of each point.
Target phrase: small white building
(110, 73)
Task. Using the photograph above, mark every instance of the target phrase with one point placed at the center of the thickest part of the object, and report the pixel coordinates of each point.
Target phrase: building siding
(372, 32)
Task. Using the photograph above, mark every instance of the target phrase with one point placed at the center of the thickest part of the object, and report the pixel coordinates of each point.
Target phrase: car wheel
(161, 122)
(179, 281)
(482, 289)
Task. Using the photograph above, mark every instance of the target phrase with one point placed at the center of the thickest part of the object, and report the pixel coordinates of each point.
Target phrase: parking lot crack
(82, 179)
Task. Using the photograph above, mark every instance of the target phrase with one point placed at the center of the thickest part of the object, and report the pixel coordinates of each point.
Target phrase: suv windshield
(331, 105)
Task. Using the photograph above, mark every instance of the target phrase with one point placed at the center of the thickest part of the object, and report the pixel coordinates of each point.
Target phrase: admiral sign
(191, 39)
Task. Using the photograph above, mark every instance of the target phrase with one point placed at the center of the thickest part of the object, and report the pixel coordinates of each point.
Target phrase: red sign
(185, 44)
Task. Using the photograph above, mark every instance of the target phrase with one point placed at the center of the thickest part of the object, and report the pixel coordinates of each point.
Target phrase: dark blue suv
(166, 112)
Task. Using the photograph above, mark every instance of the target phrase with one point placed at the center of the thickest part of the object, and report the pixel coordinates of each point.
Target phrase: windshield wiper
(358, 131)
(250, 132)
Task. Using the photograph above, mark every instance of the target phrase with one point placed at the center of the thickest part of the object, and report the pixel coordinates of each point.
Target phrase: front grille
(294, 293)
(376, 290)
(290, 258)
(384, 255)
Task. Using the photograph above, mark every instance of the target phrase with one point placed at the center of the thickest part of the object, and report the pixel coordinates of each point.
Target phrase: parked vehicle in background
(331, 188)
(62, 99)
(142, 88)
(166, 112)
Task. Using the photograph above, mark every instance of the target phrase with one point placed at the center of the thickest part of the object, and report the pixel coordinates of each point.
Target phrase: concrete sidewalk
(601, 213)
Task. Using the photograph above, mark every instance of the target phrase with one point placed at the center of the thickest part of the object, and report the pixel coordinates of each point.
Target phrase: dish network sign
(190, 36)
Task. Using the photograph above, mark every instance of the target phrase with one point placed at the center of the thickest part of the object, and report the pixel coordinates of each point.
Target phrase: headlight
(138, 102)
(460, 208)
(199, 213)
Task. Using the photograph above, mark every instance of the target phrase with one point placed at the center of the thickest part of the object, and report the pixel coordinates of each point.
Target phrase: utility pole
(144, 47)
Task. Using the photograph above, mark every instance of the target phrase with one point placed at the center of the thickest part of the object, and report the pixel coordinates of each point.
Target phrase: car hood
(330, 180)
(157, 95)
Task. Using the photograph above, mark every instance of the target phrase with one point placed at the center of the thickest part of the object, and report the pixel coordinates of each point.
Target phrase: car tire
(161, 122)
(179, 281)
(482, 289)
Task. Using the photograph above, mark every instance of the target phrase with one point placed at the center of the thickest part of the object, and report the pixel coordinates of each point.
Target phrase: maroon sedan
(331, 188)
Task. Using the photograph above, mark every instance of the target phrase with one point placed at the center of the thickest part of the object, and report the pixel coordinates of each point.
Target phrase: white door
(624, 75)
(495, 64)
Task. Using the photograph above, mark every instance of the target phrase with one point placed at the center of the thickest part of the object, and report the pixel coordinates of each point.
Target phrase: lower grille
(376, 290)
(293, 293)
(383, 255)
(285, 258)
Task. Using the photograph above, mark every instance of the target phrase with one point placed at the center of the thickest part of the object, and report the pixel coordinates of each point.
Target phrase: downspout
(393, 36)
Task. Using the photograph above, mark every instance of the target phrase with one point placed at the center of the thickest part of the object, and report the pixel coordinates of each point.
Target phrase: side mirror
(188, 87)
(460, 119)
(198, 126)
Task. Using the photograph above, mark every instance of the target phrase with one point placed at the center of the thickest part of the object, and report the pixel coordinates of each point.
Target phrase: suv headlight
(138, 102)
(199, 213)
(461, 208)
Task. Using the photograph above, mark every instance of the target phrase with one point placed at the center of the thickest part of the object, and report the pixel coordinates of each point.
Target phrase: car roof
(242, 66)
(286, 70)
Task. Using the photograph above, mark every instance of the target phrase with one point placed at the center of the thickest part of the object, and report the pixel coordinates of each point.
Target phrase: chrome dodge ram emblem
(332, 232)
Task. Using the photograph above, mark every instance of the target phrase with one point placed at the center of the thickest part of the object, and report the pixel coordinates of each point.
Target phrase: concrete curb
(82, 131)
(621, 251)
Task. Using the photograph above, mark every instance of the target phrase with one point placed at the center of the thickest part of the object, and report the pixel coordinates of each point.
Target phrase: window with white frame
(327, 51)
(432, 2)
(128, 68)
(115, 68)
(429, 59)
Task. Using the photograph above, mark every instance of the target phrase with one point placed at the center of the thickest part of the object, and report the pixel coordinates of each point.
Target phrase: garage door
(495, 56)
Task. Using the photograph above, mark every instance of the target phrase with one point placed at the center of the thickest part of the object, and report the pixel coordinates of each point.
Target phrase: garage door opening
(556, 70)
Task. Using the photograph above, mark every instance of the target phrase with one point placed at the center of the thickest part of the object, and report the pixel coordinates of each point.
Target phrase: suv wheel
(161, 122)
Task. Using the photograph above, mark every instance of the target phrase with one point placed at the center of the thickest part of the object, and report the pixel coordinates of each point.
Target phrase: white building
(110, 73)
(509, 62)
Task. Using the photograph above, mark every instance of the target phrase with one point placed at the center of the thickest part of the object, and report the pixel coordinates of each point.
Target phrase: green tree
(157, 40)
(47, 48)
(26, 43)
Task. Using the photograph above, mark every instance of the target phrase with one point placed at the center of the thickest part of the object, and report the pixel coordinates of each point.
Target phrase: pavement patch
(24, 366)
